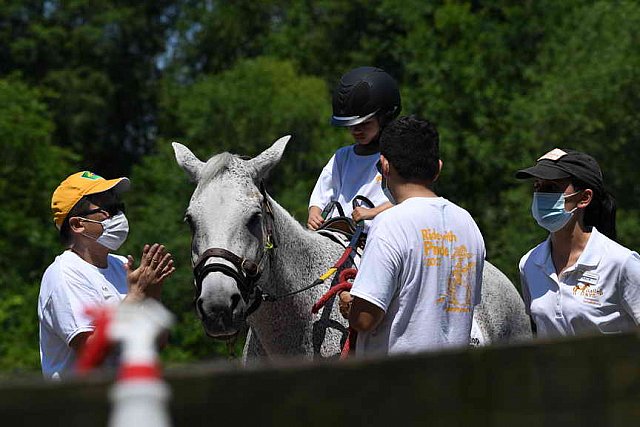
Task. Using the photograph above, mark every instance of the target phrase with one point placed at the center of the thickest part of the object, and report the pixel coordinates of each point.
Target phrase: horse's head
(231, 222)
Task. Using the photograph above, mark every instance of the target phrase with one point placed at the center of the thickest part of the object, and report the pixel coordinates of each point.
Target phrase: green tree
(585, 87)
(30, 171)
(98, 63)
(245, 109)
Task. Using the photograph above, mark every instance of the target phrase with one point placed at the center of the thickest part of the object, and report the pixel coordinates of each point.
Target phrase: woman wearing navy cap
(579, 280)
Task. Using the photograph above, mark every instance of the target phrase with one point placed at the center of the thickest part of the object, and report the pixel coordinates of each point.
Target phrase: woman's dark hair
(601, 212)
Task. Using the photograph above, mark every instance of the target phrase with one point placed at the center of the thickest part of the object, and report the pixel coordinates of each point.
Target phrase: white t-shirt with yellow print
(423, 266)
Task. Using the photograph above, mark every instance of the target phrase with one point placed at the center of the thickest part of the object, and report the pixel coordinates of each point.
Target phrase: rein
(357, 201)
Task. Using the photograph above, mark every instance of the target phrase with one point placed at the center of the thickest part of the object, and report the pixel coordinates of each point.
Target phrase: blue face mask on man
(383, 184)
(548, 210)
(387, 192)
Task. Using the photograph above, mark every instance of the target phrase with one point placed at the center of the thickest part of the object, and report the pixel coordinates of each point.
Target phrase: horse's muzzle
(220, 324)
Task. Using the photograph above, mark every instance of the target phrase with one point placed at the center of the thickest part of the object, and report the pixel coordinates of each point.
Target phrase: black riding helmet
(365, 92)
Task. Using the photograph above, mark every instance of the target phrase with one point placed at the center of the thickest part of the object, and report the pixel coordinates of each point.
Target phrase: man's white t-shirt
(345, 176)
(422, 265)
(600, 293)
(68, 287)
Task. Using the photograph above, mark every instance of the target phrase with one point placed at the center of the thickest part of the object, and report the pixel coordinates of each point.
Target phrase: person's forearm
(364, 316)
(383, 207)
(134, 295)
(315, 210)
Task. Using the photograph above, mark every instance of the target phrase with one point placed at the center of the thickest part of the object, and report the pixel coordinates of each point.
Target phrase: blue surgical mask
(387, 192)
(548, 210)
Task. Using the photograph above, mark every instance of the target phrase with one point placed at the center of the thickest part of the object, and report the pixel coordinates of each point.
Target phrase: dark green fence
(589, 381)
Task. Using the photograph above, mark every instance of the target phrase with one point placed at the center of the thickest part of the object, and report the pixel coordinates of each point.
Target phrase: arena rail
(586, 381)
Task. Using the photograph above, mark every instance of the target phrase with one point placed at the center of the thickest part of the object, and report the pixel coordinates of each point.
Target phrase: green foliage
(97, 64)
(245, 109)
(19, 322)
(584, 84)
(30, 171)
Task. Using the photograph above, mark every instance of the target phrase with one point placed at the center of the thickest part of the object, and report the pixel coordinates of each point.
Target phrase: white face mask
(114, 231)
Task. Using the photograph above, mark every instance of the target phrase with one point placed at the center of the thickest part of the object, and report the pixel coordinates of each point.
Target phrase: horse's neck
(285, 326)
(301, 256)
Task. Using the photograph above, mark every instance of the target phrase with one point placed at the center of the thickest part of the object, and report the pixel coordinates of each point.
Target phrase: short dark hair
(412, 146)
(81, 206)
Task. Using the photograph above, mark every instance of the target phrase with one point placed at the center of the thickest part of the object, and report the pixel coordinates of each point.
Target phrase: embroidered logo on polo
(587, 288)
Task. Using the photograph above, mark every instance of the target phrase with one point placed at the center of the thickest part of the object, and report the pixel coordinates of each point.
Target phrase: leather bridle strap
(249, 267)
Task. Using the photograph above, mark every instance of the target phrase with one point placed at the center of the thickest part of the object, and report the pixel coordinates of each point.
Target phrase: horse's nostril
(235, 300)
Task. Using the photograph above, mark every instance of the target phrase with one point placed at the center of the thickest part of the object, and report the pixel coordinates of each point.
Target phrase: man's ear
(435, 178)
(385, 166)
(75, 224)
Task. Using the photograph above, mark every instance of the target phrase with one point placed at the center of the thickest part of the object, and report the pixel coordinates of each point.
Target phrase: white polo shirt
(600, 293)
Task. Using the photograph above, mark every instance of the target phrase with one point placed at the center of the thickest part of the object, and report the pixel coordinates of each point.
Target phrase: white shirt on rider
(68, 287)
(599, 293)
(345, 176)
(422, 265)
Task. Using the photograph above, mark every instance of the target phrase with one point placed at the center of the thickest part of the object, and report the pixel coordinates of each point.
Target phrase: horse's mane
(216, 165)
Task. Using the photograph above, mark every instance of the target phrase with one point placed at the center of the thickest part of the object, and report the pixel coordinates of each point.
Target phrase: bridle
(246, 273)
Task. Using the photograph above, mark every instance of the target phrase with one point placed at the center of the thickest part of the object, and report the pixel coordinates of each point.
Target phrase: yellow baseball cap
(78, 185)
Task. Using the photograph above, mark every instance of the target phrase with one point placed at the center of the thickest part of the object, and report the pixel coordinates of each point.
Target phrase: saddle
(341, 229)
(343, 225)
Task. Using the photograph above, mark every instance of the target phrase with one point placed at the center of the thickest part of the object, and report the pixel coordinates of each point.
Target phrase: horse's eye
(255, 218)
(254, 224)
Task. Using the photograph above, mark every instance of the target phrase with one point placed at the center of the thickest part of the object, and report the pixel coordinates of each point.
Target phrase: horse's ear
(187, 161)
(264, 162)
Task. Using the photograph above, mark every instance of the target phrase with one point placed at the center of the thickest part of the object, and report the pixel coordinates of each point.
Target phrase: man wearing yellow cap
(91, 221)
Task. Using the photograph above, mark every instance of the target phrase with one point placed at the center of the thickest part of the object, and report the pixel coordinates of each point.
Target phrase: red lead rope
(343, 285)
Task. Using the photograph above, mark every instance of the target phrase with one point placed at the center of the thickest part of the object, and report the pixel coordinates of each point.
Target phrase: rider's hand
(344, 303)
(315, 218)
(146, 280)
(361, 213)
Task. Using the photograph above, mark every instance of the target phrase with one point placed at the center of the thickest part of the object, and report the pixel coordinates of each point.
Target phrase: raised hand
(156, 265)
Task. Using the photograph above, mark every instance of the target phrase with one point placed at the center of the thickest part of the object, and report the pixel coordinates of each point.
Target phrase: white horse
(244, 243)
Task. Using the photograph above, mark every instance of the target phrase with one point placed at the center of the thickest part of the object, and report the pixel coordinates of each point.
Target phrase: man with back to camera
(421, 271)
(90, 217)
